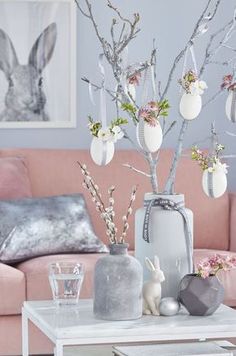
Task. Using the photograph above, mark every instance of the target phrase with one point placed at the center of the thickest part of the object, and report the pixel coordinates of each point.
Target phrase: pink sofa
(54, 172)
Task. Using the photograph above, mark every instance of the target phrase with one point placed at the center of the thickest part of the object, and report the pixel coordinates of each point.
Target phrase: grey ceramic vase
(118, 280)
(201, 296)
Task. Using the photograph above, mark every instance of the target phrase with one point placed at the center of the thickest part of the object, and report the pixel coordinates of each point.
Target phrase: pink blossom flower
(212, 265)
(134, 78)
(149, 113)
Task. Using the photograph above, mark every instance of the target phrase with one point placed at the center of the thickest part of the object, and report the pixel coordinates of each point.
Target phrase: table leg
(25, 334)
(58, 349)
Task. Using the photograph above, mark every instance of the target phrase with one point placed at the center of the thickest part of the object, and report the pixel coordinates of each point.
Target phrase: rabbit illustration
(152, 288)
(25, 99)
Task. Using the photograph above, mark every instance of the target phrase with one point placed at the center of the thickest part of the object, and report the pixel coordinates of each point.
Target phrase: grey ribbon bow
(168, 204)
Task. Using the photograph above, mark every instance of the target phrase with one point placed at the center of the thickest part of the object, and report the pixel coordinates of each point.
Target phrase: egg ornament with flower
(214, 179)
(191, 101)
(148, 131)
(102, 147)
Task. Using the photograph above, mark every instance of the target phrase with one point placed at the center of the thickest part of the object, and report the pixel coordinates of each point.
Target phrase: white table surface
(77, 326)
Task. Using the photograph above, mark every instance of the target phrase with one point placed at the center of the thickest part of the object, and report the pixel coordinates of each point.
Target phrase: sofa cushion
(227, 278)
(12, 290)
(14, 179)
(36, 274)
(35, 227)
(54, 172)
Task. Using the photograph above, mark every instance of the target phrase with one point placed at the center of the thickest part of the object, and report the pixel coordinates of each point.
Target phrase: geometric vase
(201, 296)
(165, 230)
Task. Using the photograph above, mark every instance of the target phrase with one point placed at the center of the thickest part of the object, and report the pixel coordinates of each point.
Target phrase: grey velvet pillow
(34, 227)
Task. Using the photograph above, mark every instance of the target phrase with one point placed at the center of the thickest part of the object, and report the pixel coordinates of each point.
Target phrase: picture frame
(38, 63)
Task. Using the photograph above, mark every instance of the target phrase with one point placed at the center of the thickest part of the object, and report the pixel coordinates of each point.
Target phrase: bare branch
(81, 10)
(169, 187)
(169, 128)
(98, 87)
(136, 170)
(195, 33)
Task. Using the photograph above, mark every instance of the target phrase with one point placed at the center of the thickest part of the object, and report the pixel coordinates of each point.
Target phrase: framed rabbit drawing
(37, 64)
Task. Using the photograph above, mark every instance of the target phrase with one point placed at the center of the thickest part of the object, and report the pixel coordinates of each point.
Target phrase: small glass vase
(66, 279)
(201, 296)
(118, 281)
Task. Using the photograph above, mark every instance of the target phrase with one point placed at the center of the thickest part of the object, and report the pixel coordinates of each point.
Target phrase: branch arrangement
(107, 213)
(127, 77)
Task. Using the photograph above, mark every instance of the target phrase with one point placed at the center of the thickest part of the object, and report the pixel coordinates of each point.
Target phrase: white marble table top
(79, 323)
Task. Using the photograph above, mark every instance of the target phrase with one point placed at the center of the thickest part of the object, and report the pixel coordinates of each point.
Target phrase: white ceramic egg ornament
(149, 137)
(190, 106)
(230, 106)
(214, 183)
(101, 151)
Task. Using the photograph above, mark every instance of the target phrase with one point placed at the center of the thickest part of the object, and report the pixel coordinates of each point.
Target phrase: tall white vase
(170, 237)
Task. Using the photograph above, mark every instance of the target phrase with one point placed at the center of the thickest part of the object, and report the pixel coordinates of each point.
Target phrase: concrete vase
(118, 280)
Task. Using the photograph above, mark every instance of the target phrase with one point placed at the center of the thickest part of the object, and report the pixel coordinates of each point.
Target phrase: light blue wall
(171, 23)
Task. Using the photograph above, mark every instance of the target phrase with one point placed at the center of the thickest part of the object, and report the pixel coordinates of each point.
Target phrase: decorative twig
(169, 187)
(195, 33)
(107, 214)
(126, 217)
(136, 170)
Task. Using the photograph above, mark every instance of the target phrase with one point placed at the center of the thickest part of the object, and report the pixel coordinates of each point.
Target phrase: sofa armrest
(232, 222)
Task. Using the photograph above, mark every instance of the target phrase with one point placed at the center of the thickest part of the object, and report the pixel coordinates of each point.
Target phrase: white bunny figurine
(25, 99)
(152, 288)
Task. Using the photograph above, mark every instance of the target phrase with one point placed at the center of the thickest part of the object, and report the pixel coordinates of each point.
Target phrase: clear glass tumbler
(66, 279)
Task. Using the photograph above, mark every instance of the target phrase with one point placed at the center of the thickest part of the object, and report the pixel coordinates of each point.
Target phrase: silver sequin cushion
(34, 227)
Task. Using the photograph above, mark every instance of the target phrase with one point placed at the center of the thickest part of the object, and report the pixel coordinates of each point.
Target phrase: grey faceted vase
(201, 296)
(118, 280)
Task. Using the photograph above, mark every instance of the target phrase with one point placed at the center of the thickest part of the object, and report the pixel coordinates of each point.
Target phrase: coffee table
(77, 326)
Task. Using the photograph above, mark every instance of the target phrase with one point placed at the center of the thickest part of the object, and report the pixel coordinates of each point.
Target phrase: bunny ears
(39, 56)
(152, 266)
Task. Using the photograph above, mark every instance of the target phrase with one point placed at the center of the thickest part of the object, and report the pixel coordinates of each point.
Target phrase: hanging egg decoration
(190, 106)
(230, 106)
(101, 151)
(149, 137)
(214, 183)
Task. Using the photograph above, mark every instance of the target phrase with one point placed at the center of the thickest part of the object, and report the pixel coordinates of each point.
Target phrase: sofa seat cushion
(36, 274)
(227, 278)
(12, 290)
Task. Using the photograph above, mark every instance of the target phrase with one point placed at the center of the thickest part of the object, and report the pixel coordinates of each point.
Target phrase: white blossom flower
(218, 167)
(197, 87)
(105, 134)
(124, 218)
(111, 201)
(117, 133)
(130, 210)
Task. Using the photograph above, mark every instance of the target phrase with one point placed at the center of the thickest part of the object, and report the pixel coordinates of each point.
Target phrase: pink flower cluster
(134, 78)
(150, 113)
(211, 265)
(228, 82)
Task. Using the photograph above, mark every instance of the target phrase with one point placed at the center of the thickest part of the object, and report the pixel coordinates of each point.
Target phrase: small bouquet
(191, 84)
(212, 265)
